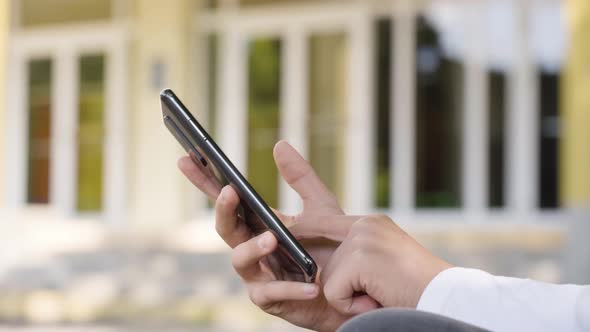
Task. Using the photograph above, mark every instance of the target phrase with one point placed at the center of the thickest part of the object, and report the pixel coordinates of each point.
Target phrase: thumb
(299, 174)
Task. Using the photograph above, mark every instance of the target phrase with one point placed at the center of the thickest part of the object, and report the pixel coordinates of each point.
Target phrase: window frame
(64, 45)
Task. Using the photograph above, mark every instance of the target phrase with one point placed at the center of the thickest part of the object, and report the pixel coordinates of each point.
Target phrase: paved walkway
(130, 284)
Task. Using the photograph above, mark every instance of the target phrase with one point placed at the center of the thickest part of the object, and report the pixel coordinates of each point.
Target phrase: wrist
(426, 277)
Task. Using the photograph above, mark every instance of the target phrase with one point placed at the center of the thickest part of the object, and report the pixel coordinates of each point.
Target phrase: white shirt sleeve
(507, 304)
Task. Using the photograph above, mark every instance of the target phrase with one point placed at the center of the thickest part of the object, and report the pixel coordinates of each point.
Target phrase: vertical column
(574, 166)
(475, 113)
(198, 83)
(159, 58)
(4, 44)
(116, 124)
(64, 129)
(404, 118)
(231, 125)
(359, 165)
(522, 121)
(15, 175)
(294, 102)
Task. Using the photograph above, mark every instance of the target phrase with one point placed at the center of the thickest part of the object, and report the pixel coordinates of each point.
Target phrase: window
(439, 87)
(39, 137)
(497, 106)
(327, 108)
(90, 133)
(549, 140)
(263, 116)
(383, 35)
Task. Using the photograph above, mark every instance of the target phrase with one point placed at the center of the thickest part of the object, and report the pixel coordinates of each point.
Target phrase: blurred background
(468, 122)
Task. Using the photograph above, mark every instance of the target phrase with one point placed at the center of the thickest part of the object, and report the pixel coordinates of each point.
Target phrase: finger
(302, 178)
(341, 285)
(246, 256)
(201, 177)
(334, 227)
(227, 224)
(341, 278)
(361, 304)
(264, 295)
(336, 261)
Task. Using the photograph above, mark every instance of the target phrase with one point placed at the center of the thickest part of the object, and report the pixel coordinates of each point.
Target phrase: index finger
(202, 177)
(227, 224)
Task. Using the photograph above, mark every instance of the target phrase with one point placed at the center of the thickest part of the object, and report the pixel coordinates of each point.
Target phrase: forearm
(507, 304)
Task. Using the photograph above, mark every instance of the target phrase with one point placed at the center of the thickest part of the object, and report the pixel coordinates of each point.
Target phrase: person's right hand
(299, 303)
(376, 261)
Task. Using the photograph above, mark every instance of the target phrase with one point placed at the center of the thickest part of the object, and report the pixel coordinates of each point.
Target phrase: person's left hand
(286, 299)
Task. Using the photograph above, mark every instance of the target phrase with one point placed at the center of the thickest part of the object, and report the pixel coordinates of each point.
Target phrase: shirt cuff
(436, 295)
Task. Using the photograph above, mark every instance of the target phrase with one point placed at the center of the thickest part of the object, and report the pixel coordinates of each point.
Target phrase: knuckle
(381, 218)
(359, 241)
(369, 224)
(259, 299)
(256, 297)
(362, 245)
(359, 256)
(357, 227)
(373, 221)
(237, 258)
(220, 230)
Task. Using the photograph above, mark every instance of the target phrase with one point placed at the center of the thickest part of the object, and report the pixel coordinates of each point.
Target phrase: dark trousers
(406, 320)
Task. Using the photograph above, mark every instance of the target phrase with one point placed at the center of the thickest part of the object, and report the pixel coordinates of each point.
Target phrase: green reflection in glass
(90, 133)
(39, 136)
(263, 116)
(327, 107)
(439, 100)
(383, 35)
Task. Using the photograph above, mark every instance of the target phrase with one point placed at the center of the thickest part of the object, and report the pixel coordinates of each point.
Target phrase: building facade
(416, 109)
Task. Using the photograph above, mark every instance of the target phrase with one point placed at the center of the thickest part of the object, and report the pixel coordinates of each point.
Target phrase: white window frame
(293, 25)
(294, 22)
(64, 45)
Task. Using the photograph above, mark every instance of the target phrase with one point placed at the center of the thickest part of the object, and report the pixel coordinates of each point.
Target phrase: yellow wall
(4, 29)
(162, 34)
(46, 12)
(575, 147)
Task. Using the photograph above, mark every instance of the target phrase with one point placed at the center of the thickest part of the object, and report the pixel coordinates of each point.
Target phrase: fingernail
(264, 241)
(310, 289)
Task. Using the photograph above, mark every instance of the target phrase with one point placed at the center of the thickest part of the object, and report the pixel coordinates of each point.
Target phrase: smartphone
(290, 261)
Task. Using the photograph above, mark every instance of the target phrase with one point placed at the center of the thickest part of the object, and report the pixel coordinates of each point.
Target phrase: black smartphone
(290, 261)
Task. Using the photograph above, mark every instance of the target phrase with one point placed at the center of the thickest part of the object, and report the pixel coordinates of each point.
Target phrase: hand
(377, 260)
(299, 303)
